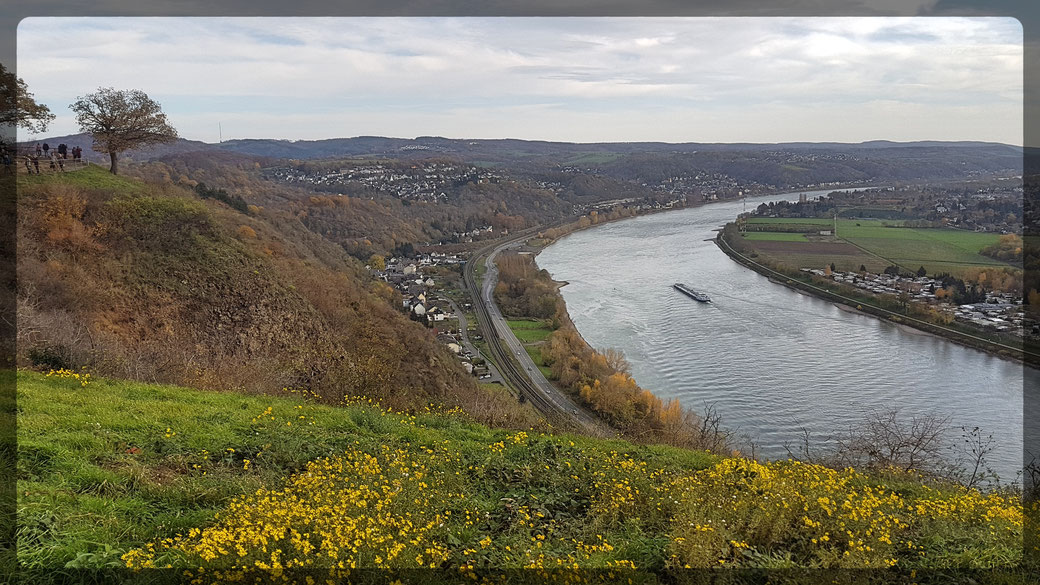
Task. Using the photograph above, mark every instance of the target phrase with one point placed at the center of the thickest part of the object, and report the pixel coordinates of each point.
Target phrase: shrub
(51, 356)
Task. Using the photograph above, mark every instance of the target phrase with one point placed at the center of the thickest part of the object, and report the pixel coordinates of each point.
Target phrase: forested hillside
(151, 282)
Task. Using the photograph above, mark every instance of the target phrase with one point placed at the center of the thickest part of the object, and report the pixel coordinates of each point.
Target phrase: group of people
(6, 158)
(62, 151)
(55, 156)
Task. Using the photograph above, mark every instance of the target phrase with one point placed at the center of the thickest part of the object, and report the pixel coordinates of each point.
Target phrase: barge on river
(695, 295)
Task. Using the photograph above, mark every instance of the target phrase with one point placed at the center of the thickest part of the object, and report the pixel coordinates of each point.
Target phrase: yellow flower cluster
(531, 500)
(824, 516)
(83, 379)
(356, 510)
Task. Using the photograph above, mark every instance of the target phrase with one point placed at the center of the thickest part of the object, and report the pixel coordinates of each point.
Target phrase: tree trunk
(115, 167)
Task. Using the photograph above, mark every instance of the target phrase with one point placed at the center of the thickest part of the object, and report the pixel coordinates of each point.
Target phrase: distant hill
(84, 140)
(506, 149)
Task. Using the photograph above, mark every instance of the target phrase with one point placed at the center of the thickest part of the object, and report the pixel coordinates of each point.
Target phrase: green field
(535, 352)
(823, 221)
(530, 331)
(776, 237)
(882, 242)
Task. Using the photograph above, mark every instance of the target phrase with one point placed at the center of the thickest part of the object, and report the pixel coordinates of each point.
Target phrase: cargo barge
(695, 295)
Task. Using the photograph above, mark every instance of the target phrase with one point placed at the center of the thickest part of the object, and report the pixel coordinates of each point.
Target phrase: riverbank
(598, 380)
(794, 282)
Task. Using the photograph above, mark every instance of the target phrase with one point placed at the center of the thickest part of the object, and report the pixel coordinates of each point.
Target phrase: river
(772, 360)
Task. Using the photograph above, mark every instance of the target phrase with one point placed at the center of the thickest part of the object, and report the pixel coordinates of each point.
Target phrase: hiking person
(7, 162)
(36, 163)
(28, 165)
(63, 150)
(46, 147)
(38, 151)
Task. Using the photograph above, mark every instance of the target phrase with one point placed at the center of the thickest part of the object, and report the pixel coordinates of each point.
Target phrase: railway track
(558, 409)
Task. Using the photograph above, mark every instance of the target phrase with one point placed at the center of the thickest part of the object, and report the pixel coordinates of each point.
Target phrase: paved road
(496, 377)
(515, 364)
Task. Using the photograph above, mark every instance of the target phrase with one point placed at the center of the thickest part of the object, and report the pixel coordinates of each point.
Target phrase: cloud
(598, 72)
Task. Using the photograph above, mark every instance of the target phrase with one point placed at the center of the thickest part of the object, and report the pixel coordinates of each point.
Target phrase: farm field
(776, 237)
(881, 243)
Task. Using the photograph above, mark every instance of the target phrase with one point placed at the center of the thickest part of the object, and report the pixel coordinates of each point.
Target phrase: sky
(729, 79)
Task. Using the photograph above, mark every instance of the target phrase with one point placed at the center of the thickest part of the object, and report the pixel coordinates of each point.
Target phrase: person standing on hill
(46, 149)
(63, 150)
(39, 152)
(28, 165)
(7, 162)
(36, 163)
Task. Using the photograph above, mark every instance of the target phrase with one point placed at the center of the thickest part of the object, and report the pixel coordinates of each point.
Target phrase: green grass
(776, 237)
(535, 352)
(790, 220)
(937, 249)
(92, 177)
(530, 331)
(97, 467)
(114, 466)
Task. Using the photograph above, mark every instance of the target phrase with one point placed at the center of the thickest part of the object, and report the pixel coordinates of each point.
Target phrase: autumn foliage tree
(18, 108)
(1008, 248)
(602, 381)
(121, 120)
(523, 290)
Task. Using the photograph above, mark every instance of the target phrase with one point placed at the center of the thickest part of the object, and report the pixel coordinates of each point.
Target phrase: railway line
(515, 366)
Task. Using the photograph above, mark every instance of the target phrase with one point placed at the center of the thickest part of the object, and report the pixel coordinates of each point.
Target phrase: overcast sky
(569, 79)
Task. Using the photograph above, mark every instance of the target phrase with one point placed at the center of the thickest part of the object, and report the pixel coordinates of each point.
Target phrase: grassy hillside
(150, 282)
(114, 473)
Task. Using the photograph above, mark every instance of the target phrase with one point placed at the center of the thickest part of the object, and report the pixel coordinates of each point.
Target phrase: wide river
(771, 360)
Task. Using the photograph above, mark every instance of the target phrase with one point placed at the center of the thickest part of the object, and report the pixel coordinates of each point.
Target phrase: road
(515, 365)
(468, 345)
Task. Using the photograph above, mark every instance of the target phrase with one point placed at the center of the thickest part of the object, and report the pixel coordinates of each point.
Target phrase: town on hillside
(411, 278)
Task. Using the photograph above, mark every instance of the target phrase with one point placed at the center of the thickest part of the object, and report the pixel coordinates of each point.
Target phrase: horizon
(579, 80)
(416, 138)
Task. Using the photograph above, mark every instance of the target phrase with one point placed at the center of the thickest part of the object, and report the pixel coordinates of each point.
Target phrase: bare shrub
(49, 338)
(885, 440)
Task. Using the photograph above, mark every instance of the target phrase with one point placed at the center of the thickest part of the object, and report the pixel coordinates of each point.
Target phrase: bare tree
(976, 447)
(886, 440)
(120, 120)
(18, 108)
(616, 360)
